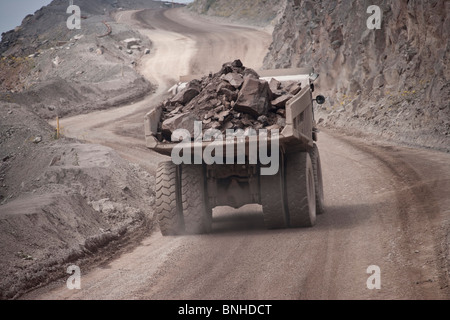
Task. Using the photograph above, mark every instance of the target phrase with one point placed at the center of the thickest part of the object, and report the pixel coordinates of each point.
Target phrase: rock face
(395, 79)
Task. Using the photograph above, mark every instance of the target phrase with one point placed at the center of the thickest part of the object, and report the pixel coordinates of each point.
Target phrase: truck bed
(297, 134)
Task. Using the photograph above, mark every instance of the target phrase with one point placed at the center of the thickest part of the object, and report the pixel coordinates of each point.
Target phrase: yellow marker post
(57, 127)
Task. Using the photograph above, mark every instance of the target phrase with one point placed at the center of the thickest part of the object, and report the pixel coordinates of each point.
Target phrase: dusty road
(385, 205)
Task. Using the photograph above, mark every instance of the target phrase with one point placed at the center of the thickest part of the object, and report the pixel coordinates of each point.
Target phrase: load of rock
(234, 98)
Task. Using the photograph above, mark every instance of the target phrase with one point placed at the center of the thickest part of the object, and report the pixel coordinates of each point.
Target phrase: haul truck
(187, 193)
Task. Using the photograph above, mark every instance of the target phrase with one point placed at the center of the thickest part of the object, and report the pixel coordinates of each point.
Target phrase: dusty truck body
(186, 193)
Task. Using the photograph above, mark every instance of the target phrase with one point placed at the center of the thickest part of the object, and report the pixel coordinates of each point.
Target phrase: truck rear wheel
(273, 199)
(196, 211)
(301, 200)
(168, 204)
(318, 182)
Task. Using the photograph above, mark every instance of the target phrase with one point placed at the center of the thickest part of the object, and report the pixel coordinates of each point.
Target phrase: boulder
(274, 85)
(229, 94)
(280, 102)
(295, 88)
(292, 87)
(235, 79)
(254, 98)
(181, 121)
(190, 92)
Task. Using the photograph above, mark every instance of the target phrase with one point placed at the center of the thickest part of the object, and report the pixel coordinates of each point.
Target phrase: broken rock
(280, 102)
(229, 94)
(248, 72)
(292, 87)
(190, 92)
(254, 97)
(281, 122)
(181, 121)
(273, 127)
(222, 116)
(235, 79)
(274, 86)
(263, 119)
(296, 88)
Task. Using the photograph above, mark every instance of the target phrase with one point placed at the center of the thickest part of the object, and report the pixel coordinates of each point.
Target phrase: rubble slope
(232, 99)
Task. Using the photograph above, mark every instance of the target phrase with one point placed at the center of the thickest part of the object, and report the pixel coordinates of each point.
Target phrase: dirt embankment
(392, 82)
(61, 202)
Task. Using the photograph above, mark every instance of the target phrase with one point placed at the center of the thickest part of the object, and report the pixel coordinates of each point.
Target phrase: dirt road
(385, 205)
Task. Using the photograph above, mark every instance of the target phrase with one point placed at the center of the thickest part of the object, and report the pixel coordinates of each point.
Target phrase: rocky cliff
(392, 81)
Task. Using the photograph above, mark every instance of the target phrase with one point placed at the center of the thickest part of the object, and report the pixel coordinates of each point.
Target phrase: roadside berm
(62, 202)
(235, 98)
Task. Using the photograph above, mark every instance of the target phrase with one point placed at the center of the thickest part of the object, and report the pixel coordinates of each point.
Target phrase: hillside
(393, 82)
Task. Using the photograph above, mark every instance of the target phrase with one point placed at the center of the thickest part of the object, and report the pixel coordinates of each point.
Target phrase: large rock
(235, 79)
(280, 102)
(181, 121)
(274, 85)
(190, 92)
(254, 98)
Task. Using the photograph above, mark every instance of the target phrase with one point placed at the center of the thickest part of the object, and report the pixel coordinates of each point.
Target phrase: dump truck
(187, 193)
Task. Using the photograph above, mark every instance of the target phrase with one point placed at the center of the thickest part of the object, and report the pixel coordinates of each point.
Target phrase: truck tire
(318, 182)
(273, 199)
(301, 200)
(168, 202)
(196, 212)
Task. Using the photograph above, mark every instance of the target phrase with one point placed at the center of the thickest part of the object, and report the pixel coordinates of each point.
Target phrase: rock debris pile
(234, 98)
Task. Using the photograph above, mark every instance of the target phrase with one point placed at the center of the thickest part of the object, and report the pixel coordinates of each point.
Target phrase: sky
(12, 12)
